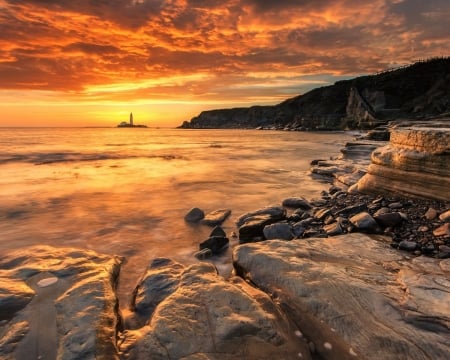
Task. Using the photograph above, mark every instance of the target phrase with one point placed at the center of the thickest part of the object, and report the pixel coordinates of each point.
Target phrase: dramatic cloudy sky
(91, 62)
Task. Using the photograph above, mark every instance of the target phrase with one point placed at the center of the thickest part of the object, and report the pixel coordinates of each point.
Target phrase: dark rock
(218, 231)
(274, 212)
(253, 228)
(364, 222)
(334, 189)
(215, 243)
(216, 217)
(298, 229)
(318, 202)
(389, 219)
(352, 210)
(194, 215)
(395, 205)
(407, 245)
(296, 203)
(383, 210)
(203, 254)
(280, 231)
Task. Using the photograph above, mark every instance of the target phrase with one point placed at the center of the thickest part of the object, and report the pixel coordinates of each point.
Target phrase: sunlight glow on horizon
(79, 63)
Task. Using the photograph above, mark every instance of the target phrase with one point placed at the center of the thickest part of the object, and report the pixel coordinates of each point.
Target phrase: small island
(125, 124)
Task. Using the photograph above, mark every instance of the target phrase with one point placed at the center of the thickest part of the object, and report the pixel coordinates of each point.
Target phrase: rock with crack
(202, 316)
(354, 297)
(58, 303)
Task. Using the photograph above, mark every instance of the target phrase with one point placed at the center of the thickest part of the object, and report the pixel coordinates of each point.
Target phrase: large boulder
(58, 303)
(415, 163)
(194, 313)
(354, 297)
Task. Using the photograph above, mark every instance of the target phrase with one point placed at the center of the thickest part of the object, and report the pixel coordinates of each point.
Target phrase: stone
(321, 214)
(58, 303)
(203, 254)
(407, 245)
(383, 210)
(445, 216)
(274, 212)
(443, 230)
(352, 210)
(356, 294)
(297, 203)
(218, 231)
(253, 228)
(333, 229)
(415, 163)
(203, 316)
(280, 231)
(364, 222)
(216, 217)
(390, 219)
(194, 215)
(431, 214)
(216, 244)
(298, 229)
(395, 205)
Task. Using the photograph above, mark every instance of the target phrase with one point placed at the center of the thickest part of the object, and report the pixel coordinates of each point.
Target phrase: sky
(92, 62)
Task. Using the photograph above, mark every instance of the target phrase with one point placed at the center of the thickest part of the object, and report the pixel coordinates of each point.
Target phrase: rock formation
(418, 91)
(58, 303)
(353, 297)
(416, 163)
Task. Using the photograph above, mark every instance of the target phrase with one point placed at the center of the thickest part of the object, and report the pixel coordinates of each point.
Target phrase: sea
(125, 191)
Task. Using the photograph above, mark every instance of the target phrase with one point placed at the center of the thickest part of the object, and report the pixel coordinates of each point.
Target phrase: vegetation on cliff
(417, 91)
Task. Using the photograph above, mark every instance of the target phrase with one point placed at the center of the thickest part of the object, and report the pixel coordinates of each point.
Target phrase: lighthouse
(131, 119)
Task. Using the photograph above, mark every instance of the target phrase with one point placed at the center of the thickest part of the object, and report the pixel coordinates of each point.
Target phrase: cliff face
(417, 91)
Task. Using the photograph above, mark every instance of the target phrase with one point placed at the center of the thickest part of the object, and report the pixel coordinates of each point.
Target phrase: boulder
(274, 212)
(416, 163)
(445, 216)
(216, 244)
(252, 229)
(364, 222)
(216, 217)
(297, 203)
(389, 219)
(280, 231)
(58, 303)
(202, 316)
(194, 215)
(353, 297)
(218, 231)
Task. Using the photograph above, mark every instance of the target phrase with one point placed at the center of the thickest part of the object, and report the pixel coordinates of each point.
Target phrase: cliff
(417, 91)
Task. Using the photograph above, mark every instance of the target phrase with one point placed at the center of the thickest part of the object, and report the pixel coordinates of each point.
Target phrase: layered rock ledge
(415, 163)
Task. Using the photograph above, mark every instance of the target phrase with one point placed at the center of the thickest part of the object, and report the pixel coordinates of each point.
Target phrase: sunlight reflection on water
(126, 191)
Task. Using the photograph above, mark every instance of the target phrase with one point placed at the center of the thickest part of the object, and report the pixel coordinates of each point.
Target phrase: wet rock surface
(58, 303)
(194, 313)
(354, 297)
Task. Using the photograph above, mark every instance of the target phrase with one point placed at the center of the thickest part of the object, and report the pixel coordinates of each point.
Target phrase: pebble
(47, 281)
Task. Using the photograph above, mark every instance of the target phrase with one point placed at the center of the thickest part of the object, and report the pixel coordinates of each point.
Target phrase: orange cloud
(210, 51)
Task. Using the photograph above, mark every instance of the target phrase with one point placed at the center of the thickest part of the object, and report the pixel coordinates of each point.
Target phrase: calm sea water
(126, 191)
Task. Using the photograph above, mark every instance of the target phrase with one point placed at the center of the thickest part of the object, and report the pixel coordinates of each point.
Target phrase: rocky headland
(419, 91)
(360, 273)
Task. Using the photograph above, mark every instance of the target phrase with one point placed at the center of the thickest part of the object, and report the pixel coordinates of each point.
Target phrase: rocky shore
(349, 275)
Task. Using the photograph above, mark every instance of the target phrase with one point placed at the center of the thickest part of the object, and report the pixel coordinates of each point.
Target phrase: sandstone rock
(445, 216)
(194, 215)
(365, 222)
(280, 231)
(431, 214)
(297, 203)
(443, 230)
(72, 317)
(216, 217)
(333, 229)
(415, 163)
(202, 316)
(216, 244)
(321, 214)
(353, 297)
(275, 212)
